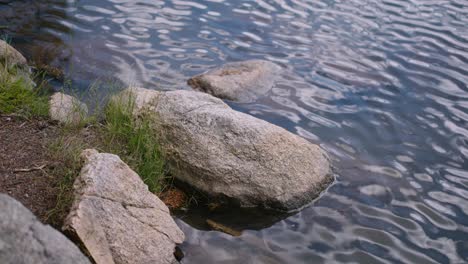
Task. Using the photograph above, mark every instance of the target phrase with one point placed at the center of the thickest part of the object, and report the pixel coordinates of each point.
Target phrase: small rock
(23, 239)
(115, 216)
(10, 56)
(67, 109)
(238, 81)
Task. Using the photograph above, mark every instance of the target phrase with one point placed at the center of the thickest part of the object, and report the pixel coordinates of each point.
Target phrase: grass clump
(18, 94)
(113, 129)
(66, 150)
(134, 140)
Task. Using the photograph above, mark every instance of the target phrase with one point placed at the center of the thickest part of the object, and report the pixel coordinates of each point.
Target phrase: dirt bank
(26, 164)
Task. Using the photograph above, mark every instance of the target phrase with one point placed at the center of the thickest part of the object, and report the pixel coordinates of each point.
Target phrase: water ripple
(382, 85)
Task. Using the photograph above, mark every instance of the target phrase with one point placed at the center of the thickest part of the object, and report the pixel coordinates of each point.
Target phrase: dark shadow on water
(205, 217)
(205, 212)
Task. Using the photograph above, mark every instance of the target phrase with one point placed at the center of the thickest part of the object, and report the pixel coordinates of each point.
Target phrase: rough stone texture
(225, 152)
(25, 240)
(115, 216)
(10, 55)
(66, 109)
(238, 81)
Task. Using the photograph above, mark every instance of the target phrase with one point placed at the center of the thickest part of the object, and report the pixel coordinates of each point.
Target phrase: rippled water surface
(381, 84)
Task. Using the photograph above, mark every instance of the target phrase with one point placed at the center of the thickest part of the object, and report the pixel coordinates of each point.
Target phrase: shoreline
(42, 145)
(230, 158)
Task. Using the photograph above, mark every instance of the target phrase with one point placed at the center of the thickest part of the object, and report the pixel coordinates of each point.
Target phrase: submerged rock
(115, 216)
(238, 81)
(66, 109)
(24, 239)
(228, 153)
(10, 56)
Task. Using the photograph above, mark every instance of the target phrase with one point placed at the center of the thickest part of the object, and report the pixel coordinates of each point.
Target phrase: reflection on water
(381, 84)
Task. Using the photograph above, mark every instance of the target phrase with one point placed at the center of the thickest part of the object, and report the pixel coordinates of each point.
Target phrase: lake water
(381, 85)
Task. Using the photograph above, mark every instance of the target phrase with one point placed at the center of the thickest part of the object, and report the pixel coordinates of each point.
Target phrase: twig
(10, 115)
(31, 169)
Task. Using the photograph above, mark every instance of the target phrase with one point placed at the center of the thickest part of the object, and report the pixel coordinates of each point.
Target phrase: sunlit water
(381, 84)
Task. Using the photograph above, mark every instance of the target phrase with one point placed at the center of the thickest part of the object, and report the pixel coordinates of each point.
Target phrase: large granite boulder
(66, 109)
(11, 56)
(238, 81)
(228, 153)
(24, 239)
(115, 216)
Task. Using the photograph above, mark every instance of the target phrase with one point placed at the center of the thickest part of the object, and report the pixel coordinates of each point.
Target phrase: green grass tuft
(135, 141)
(66, 150)
(18, 94)
(119, 132)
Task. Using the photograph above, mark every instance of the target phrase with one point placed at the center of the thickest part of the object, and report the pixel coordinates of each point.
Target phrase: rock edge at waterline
(10, 56)
(115, 216)
(224, 152)
(242, 81)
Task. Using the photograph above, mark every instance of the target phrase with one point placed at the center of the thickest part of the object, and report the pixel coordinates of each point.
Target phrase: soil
(25, 163)
(28, 170)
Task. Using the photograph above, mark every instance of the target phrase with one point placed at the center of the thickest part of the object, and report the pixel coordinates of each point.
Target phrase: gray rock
(66, 109)
(238, 81)
(10, 55)
(25, 240)
(13, 59)
(224, 152)
(115, 216)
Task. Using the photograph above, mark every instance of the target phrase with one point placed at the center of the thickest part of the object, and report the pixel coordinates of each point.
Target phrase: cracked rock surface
(115, 216)
(240, 81)
(225, 152)
(24, 240)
